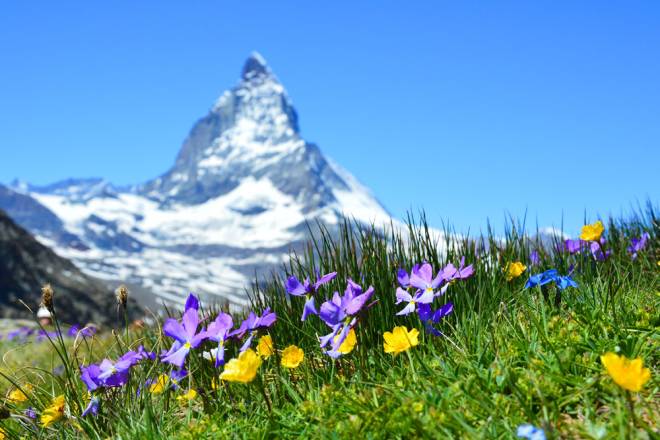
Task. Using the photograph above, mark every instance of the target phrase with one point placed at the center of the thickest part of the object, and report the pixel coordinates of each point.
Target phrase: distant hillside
(26, 265)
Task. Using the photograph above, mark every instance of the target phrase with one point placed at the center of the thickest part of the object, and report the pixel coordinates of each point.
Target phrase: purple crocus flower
(597, 250)
(88, 331)
(637, 244)
(191, 303)
(73, 331)
(307, 289)
(339, 313)
(185, 337)
(574, 246)
(218, 331)
(114, 374)
(30, 412)
(90, 376)
(451, 272)
(422, 278)
(534, 258)
(135, 356)
(92, 407)
(429, 317)
(404, 278)
(177, 376)
(420, 297)
(253, 323)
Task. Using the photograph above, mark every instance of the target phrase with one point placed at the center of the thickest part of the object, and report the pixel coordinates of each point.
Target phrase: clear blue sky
(468, 110)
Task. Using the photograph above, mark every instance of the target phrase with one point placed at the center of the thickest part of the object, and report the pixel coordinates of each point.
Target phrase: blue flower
(530, 432)
(541, 279)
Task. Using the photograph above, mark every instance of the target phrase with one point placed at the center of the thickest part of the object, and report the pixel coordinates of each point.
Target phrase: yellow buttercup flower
(292, 356)
(349, 343)
(242, 369)
(18, 395)
(265, 347)
(400, 339)
(159, 385)
(628, 374)
(54, 412)
(514, 270)
(592, 232)
(188, 396)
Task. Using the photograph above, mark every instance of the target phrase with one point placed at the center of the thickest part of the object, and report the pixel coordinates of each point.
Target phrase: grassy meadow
(505, 355)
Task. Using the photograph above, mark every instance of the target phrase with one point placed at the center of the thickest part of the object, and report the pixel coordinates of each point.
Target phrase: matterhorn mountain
(235, 202)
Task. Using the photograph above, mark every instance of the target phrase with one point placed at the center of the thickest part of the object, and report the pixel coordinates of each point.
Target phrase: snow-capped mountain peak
(238, 197)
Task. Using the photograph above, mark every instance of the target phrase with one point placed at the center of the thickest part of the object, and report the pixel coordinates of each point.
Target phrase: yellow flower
(400, 339)
(514, 270)
(17, 395)
(3, 434)
(592, 232)
(54, 412)
(159, 385)
(265, 347)
(187, 397)
(242, 369)
(349, 343)
(628, 374)
(292, 356)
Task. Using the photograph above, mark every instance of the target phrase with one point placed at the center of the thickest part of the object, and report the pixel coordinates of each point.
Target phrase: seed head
(47, 297)
(122, 295)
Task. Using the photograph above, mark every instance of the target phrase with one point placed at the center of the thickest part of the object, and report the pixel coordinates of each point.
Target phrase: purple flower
(177, 376)
(191, 303)
(218, 331)
(339, 314)
(637, 244)
(403, 278)
(185, 337)
(597, 250)
(307, 289)
(574, 246)
(428, 317)
(420, 297)
(252, 324)
(30, 412)
(73, 331)
(88, 331)
(534, 258)
(421, 277)
(90, 376)
(114, 374)
(450, 272)
(135, 356)
(92, 407)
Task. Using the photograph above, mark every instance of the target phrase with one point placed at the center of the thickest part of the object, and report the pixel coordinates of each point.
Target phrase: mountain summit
(252, 130)
(236, 200)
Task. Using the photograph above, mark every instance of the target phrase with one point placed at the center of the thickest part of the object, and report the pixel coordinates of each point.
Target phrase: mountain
(234, 203)
(26, 265)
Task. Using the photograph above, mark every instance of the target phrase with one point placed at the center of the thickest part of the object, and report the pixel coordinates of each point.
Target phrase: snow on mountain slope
(234, 203)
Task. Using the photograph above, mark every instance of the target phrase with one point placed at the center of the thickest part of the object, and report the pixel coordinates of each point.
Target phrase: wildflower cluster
(419, 288)
(204, 352)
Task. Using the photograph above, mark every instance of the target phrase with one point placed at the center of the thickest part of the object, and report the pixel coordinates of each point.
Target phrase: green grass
(509, 356)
